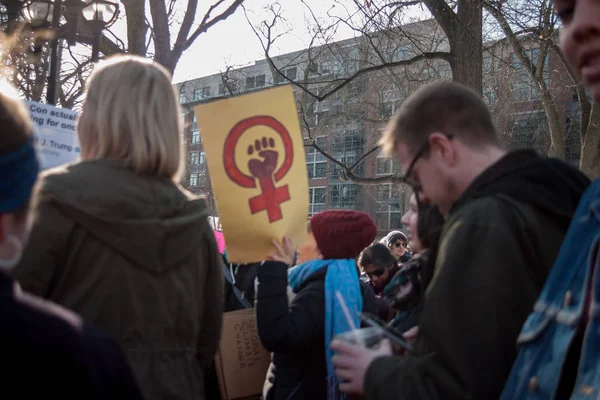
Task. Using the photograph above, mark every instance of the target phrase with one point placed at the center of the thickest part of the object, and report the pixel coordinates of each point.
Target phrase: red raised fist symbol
(264, 168)
(262, 165)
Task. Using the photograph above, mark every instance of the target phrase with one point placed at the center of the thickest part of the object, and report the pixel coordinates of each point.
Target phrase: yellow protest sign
(255, 155)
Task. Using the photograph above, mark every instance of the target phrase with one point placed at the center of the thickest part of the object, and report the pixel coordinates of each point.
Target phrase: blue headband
(18, 173)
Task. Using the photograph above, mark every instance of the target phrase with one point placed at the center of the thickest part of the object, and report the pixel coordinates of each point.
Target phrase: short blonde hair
(131, 113)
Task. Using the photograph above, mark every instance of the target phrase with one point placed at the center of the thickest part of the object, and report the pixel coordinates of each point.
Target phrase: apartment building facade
(342, 110)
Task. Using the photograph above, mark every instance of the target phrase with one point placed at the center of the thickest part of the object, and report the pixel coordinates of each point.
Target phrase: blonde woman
(48, 351)
(116, 239)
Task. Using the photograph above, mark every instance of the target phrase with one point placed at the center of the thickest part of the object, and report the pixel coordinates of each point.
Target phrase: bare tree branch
(207, 24)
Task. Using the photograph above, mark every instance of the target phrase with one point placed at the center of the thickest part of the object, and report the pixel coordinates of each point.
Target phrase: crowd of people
(112, 285)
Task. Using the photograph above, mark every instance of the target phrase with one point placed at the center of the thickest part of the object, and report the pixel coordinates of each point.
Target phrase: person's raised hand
(351, 362)
(284, 251)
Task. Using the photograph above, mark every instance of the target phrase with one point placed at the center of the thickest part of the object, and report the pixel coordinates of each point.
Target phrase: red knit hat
(342, 233)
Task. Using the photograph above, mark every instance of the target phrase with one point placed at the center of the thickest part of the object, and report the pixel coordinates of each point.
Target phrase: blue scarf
(341, 277)
(18, 173)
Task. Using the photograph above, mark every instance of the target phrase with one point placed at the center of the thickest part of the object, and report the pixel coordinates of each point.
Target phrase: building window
(390, 207)
(336, 104)
(260, 81)
(320, 106)
(193, 179)
(182, 98)
(316, 163)
(572, 133)
(402, 53)
(354, 60)
(384, 165)
(194, 125)
(347, 147)
(530, 132)
(386, 110)
(279, 79)
(194, 157)
(524, 88)
(445, 71)
(489, 93)
(316, 200)
(202, 93)
(195, 137)
(344, 195)
(356, 88)
(250, 82)
(197, 94)
(202, 158)
(291, 73)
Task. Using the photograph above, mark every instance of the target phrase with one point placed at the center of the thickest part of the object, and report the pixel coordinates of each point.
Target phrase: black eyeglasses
(407, 179)
(400, 244)
(378, 272)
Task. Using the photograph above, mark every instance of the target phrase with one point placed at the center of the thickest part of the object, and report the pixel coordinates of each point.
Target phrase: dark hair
(379, 255)
(430, 225)
(445, 107)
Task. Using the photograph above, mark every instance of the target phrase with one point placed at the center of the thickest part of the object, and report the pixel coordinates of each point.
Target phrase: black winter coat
(295, 333)
(49, 352)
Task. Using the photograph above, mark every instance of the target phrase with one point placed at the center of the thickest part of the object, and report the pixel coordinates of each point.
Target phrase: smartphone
(386, 330)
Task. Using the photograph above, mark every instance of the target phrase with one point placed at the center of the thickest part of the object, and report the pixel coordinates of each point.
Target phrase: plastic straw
(349, 317)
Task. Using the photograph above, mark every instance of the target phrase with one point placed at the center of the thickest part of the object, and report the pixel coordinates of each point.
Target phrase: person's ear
(443, 147)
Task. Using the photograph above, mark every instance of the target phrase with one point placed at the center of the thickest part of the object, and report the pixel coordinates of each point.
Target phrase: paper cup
(369, 337)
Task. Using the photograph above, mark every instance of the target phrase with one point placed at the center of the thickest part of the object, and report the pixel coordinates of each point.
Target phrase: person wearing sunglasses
(506, 216)
(380, 266)
(397, 242)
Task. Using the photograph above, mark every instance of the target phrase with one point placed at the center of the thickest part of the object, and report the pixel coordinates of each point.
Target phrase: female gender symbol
(263, 170)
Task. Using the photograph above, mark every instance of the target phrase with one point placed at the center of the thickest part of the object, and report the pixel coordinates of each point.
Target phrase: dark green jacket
(498, 245)
(135, 256)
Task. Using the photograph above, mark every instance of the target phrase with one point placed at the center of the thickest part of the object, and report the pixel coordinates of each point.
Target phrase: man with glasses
(506, 216)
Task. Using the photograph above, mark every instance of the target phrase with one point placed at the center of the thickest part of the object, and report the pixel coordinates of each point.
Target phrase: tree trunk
(536, 73)
(466, 44)
(590, 154)
(135, 11)
(557, 139)
(162, 35)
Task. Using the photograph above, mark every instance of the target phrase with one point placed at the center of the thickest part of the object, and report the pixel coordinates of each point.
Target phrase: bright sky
(233, 43)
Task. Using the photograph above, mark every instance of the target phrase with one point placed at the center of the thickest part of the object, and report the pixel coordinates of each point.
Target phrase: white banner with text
(56, 134)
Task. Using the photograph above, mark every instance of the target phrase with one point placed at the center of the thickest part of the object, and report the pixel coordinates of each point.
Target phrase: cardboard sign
(56, 134)
(255, 156)
(242, 362)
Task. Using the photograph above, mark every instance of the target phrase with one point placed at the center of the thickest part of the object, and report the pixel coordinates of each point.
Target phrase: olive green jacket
(498, 245)
(135, 256)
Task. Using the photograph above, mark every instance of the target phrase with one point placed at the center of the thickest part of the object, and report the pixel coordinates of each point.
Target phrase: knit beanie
(342, 234)
(394, 236)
